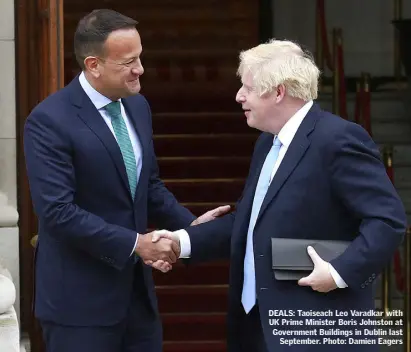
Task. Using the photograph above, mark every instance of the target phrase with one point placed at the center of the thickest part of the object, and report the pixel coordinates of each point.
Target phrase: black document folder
(291, 261)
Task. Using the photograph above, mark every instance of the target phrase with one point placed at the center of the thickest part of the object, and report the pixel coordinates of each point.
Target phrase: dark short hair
(93, 29)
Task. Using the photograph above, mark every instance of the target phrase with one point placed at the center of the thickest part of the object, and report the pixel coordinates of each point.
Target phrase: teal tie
(124, 142)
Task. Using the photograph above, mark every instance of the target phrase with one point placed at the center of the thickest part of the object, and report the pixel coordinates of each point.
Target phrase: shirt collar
(289, 130)
(98, 99)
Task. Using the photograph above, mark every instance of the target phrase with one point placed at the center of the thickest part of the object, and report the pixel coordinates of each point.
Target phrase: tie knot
(113, 109)
(277, 142)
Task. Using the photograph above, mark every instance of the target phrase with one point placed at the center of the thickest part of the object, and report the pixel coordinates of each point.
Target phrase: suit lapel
(265, 149)
(248, 196)
(92, 118)
(292, 158)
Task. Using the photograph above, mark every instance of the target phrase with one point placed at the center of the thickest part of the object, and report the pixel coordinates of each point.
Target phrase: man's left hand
(211, 215)
(320, 278)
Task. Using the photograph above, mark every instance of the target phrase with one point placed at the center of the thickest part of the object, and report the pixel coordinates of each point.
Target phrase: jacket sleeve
(211, 240)
(360, 181)
(52, 181)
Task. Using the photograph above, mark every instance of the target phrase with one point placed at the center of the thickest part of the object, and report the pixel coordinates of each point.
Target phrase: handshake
(161, 248)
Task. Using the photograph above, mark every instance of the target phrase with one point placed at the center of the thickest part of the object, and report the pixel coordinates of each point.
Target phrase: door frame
(27, 81)
(39, 71)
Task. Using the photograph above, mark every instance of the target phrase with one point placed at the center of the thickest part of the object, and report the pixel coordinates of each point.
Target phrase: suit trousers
(140, 331)
(250, 336)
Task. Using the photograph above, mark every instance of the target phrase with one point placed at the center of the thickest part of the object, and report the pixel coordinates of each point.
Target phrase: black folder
(291, 261)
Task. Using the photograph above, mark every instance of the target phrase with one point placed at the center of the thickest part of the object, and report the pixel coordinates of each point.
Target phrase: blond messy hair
(281, 62)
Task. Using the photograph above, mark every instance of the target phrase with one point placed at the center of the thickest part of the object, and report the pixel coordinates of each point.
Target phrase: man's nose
(139, 70)
(239, 97)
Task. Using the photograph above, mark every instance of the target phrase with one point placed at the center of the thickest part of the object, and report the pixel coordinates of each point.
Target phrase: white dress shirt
(100, 101)
(286, 136)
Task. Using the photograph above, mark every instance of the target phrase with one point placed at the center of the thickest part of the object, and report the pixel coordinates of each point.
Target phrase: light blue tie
(124, 142)
(248, 297)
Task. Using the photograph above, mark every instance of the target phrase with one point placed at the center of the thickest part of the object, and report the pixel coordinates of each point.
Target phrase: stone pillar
(9, 233)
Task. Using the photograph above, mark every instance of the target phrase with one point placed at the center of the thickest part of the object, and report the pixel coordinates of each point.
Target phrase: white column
(9, 232)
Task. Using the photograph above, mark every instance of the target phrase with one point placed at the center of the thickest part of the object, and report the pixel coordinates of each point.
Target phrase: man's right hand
(164, 249)
(162, 265)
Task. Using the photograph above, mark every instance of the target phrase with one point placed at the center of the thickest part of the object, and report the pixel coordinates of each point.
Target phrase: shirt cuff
(337, 278)
(185, 243)
(135, 245)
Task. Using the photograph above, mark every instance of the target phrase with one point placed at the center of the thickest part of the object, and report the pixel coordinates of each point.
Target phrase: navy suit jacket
(87, 218)
(331, 184)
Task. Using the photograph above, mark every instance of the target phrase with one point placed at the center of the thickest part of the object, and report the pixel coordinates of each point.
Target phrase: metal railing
(333, 59)
(401, 270)
(397, 9)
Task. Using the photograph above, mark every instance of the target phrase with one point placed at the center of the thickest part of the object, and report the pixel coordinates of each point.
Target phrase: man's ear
(92, 65)
(280, 92)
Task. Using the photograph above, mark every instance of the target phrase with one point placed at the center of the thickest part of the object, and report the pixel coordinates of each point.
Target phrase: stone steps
(200, 145)
(192, 298)
(198, 167)
(223, 190)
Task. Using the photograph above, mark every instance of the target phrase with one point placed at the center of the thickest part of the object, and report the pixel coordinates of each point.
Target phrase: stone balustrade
(8, 214)
(9, 325)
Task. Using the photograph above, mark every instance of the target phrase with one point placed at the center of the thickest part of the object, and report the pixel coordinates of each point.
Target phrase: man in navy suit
(95, 187)
(313, 175)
